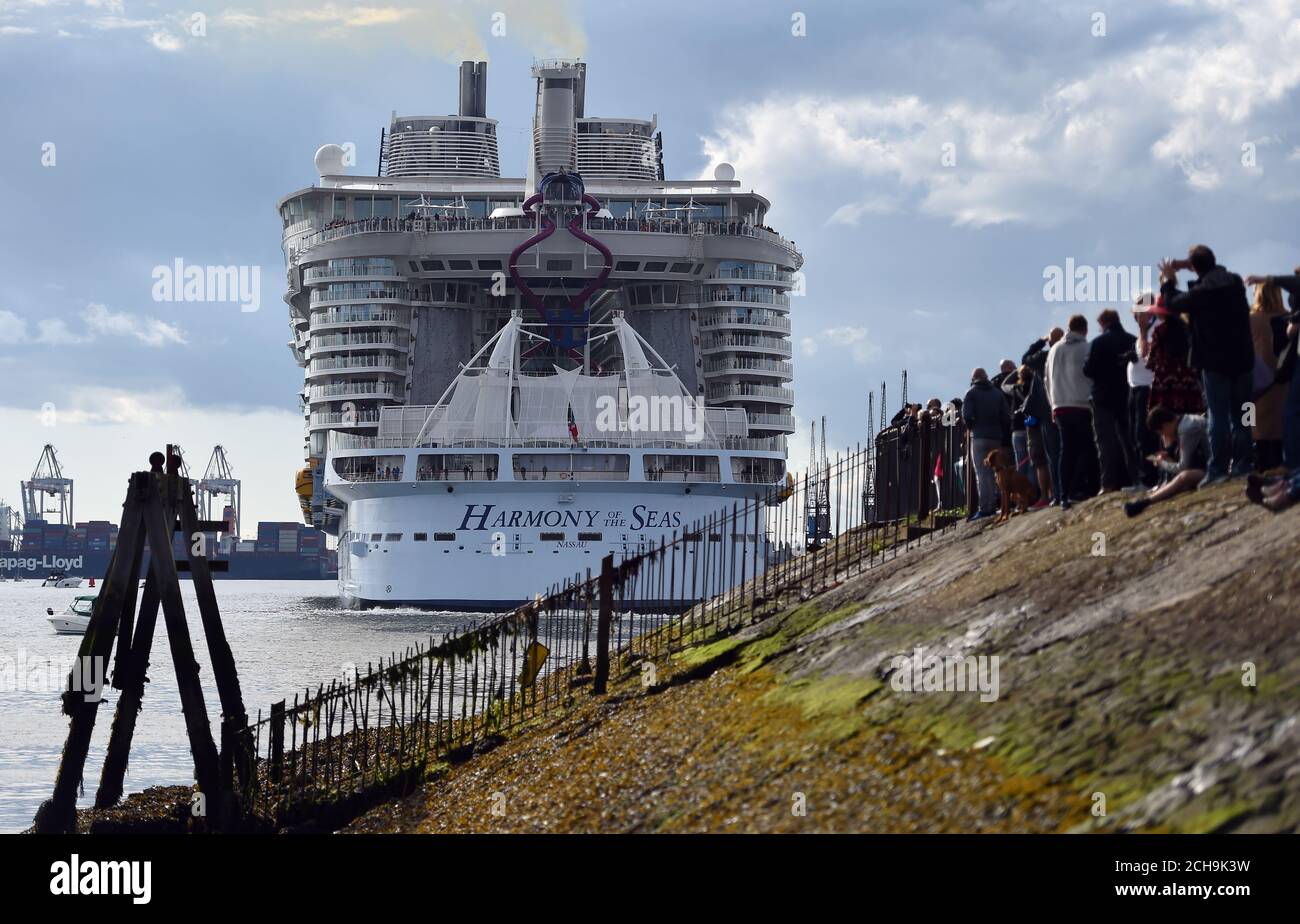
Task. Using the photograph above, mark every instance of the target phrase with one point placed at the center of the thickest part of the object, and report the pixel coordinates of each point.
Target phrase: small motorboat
(60, 579)
(76, 619)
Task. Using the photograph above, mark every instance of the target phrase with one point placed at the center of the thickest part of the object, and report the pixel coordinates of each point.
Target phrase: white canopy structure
(493, 402)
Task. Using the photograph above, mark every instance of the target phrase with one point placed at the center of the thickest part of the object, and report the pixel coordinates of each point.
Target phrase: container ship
(480, 351)
(282, 551)
(45, 538)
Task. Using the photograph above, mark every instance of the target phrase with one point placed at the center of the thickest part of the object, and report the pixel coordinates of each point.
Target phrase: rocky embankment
(1146, 679)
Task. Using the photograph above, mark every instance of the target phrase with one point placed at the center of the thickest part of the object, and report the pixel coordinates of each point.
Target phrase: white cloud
(1127, 122)
(808, 346)
(112, 23)
(96, 319)
(164, 41)
(149, 331)
(852, 213)
(55, 332)
(17, 30)
(450, 31)
(856, 339)
(13, 329)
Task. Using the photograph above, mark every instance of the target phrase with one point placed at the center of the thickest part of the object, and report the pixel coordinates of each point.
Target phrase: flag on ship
(573, 425)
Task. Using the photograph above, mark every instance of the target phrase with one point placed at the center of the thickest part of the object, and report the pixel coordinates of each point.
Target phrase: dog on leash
(1014, 488)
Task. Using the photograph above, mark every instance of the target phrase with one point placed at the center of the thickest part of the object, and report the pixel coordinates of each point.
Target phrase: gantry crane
(218, 482)
(818, 503)
(48, 492)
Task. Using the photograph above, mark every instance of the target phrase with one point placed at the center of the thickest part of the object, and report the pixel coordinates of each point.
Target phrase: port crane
(48, 486)
(818, 503)
(219, 482)
(11, 527)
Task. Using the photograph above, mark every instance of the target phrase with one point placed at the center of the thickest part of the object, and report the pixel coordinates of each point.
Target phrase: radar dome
(724, 172)
(329, 160)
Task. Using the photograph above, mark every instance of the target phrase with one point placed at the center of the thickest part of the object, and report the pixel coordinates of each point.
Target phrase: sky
(937, 163)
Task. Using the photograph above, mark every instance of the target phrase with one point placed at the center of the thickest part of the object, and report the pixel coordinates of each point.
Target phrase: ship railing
(753, 296)
(332, 272)
(742, 364)
(348, 442)
(522, 474)
(738, 318)
(341, 228)
(742, 390)
(771, 420)
(726, 275)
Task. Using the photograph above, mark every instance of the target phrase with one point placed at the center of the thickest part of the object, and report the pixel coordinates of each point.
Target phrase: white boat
(76, 619)
(61, 579)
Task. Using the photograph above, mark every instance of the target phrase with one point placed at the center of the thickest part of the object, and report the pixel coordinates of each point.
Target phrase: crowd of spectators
(1202, 392)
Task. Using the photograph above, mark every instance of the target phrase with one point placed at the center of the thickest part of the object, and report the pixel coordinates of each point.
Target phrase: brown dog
(1012, 485)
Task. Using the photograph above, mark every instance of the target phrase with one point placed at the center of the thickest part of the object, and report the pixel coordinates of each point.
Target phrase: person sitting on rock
(1186, 432)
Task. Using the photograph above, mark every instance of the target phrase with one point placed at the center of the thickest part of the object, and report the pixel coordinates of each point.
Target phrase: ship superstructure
(397, 282)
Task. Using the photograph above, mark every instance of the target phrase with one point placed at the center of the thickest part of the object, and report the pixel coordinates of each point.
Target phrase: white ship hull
(486, 546)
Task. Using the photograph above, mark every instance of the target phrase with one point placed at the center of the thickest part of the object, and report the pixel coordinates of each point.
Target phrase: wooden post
(126, 625)
(131, 683)
(277, 741)
(223, 661)
(150, 513)
(59, 814)
(606, 588)
(163, 565)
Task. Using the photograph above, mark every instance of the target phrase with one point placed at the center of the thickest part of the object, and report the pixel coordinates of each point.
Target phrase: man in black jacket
(1107, 366)
(1222, 349)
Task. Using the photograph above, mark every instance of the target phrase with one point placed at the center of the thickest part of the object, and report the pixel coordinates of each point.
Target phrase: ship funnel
(473, 89)
(561, 88)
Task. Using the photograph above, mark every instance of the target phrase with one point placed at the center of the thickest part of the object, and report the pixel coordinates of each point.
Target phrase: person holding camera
(1222, 348)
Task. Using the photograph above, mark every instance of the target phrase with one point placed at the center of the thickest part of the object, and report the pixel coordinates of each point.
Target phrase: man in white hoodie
(1069, 391)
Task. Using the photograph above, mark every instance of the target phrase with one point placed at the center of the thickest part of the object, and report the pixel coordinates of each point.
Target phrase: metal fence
(921, 466)
(384, 727)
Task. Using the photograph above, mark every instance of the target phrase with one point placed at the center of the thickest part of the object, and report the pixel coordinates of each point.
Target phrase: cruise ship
(507, 378)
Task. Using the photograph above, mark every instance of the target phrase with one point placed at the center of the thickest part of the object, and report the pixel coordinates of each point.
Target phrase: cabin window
(392, 537)
(571, 466)
(590, 537)
(457, 466)
(552, 537)
(681, 468)
(750, 470)
(444, 537)
(421, 537)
